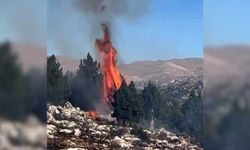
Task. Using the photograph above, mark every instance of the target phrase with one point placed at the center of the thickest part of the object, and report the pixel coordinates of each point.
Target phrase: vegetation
(87, 84)
(191, 120)
(151, 99)
(12, 85)
(131, 106)
(21, 94)
(127, 104)
(57, 89)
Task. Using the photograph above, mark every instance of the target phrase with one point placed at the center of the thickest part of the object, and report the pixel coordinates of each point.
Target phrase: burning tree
(112, 79)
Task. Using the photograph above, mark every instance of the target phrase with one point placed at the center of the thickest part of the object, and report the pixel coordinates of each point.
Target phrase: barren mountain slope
(160, 71)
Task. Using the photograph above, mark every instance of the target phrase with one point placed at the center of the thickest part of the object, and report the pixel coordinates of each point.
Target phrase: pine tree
(152, 98)
(14, 100)
(137, 103)
(87, 85)
(57, 89)
(191, 120)
(127, 104)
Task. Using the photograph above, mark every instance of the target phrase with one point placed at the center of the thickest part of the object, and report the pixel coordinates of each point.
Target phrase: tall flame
(111, 75)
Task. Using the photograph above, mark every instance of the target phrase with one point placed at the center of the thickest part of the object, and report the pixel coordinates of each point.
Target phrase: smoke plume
(80, 22)
(108, 11)
(105, 11)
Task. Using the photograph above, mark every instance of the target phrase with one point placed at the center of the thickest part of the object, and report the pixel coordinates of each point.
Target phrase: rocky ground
(73, 129)
(28, 134)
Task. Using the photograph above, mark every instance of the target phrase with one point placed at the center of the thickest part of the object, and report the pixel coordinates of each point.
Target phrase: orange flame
(92, 114)
(111, 75)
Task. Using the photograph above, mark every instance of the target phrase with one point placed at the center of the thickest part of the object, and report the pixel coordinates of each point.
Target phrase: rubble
(72, 129)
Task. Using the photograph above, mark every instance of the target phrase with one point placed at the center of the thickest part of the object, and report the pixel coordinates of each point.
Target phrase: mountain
(226, 77)
(161, 71)
(226, 63)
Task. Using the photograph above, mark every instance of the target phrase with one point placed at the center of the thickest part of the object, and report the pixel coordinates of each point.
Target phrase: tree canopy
(57, 88)
(87, 85)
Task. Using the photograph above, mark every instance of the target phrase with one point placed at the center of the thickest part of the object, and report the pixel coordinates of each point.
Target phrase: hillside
(161, 71)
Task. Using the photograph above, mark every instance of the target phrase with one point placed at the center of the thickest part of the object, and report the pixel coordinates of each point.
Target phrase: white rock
(121, 142)
(60, 108)
(93, 125)
(148, 132)
(101, 128)
(34, 134)
(8, 129)
(51, 129)
(96, 133)
(66, 114)
(89, 120)
(5, 143)
(50, 118)
(53, 110)
(68, 105)
(104, 133)
(172, 146)
(66, 131)
(76, 149)
(78, 132)
(132, 139)
(72, 124)
(173, 138)
(163, 131)
(64, 123)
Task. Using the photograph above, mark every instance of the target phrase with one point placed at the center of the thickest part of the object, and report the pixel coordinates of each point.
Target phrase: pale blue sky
(226, 22)
(23, 21)
(169, 29)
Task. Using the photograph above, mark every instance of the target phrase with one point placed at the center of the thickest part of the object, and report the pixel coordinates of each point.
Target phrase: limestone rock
(71, 128)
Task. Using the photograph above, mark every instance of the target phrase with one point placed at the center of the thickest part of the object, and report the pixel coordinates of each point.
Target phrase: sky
(226, 22)
(168, 29)
(23, 21)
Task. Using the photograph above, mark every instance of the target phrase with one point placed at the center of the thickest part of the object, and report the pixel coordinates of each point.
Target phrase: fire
(92, 114)
(111, 75)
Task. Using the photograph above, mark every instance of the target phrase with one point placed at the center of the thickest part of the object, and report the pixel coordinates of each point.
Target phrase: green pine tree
(57, 89)
(87, 85)
(127, 104)
(191, 120)
(152, 99)
(14, 100)
(137, 103)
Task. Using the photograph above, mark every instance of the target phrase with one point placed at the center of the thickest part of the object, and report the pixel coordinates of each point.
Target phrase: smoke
(105, 11)
(74, 25)
(108, 11)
